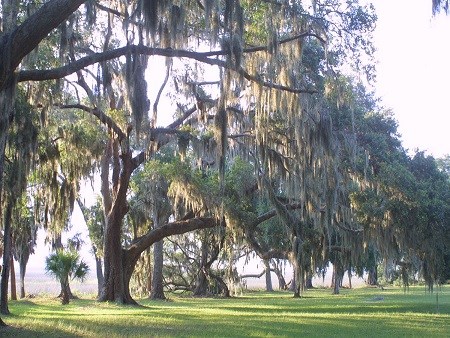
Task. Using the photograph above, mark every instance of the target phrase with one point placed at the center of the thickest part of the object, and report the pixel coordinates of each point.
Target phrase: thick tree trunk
(7, 246)
(293, 286)
(269, 286)
(349, 274)
(201, 285)
(113, 288)
(336, 279)
(157, 290)
(13, 279)
(308, 281)
(372, 276)
(297, 282)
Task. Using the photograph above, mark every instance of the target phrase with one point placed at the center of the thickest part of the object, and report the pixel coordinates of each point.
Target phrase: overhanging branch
(174, 228)
(204, 57)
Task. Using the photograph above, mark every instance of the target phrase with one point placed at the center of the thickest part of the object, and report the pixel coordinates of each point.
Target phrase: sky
(413, 76)
(413, 72)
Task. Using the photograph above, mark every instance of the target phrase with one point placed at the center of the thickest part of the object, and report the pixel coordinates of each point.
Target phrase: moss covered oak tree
(16, 41)
(263, 77)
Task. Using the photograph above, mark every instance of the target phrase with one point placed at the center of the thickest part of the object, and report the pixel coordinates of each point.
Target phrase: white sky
(413, 80)
(414, 73)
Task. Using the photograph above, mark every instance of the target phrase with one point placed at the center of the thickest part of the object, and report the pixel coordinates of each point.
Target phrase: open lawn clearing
(354, 313)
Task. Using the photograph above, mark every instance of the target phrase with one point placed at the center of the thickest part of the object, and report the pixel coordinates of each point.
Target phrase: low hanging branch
(174, 228)
(204, 57)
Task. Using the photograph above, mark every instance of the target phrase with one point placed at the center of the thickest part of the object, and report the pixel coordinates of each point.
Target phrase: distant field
(38, 283)
(363, 312)
(42, 284)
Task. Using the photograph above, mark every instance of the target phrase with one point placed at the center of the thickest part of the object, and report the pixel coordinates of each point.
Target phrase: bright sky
(413, 72)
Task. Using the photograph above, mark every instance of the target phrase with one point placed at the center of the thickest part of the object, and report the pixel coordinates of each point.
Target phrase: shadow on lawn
(12, 331)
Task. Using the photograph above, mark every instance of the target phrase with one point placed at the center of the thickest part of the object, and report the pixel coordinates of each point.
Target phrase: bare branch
(105, 119)
(158, 96)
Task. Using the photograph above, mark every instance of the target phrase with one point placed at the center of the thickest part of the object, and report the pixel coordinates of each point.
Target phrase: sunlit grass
(353, 313)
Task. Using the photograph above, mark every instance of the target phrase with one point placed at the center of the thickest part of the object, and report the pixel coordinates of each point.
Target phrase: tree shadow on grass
(18, 332)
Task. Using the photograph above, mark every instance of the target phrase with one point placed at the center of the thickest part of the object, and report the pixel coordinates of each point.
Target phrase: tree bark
(65, 293)
(201, 284)
(113, 288)
(269, 287)
(281, 281)
(7, 246)
(22, 270)
(13, 279)
(99, 273)
(119, 290)
(336, 279)
(372, 276)
(308, 281)
(20, 41)
(157, 289)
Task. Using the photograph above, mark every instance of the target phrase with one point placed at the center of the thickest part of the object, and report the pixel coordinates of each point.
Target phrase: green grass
(354, 313)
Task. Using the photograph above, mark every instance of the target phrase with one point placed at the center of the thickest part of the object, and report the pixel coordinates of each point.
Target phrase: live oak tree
(269, 57)
(261, 44)
(16, 41)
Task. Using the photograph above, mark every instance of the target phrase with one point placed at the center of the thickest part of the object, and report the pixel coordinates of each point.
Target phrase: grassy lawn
(354, 313)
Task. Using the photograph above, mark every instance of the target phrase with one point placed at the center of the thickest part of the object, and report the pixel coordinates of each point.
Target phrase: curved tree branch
(105, 119)
(56, 73)
(34, 29)
(174, 228)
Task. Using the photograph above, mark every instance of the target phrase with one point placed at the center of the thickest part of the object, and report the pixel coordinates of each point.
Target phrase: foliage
(283, 130)
(65, 265)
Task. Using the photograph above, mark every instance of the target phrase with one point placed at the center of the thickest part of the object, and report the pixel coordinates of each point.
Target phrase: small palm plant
(65, 265)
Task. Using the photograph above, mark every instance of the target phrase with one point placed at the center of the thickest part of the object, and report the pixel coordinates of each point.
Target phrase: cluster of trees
(274, 148)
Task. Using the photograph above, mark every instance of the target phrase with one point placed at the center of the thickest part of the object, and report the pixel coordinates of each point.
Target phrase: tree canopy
(274, 138)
